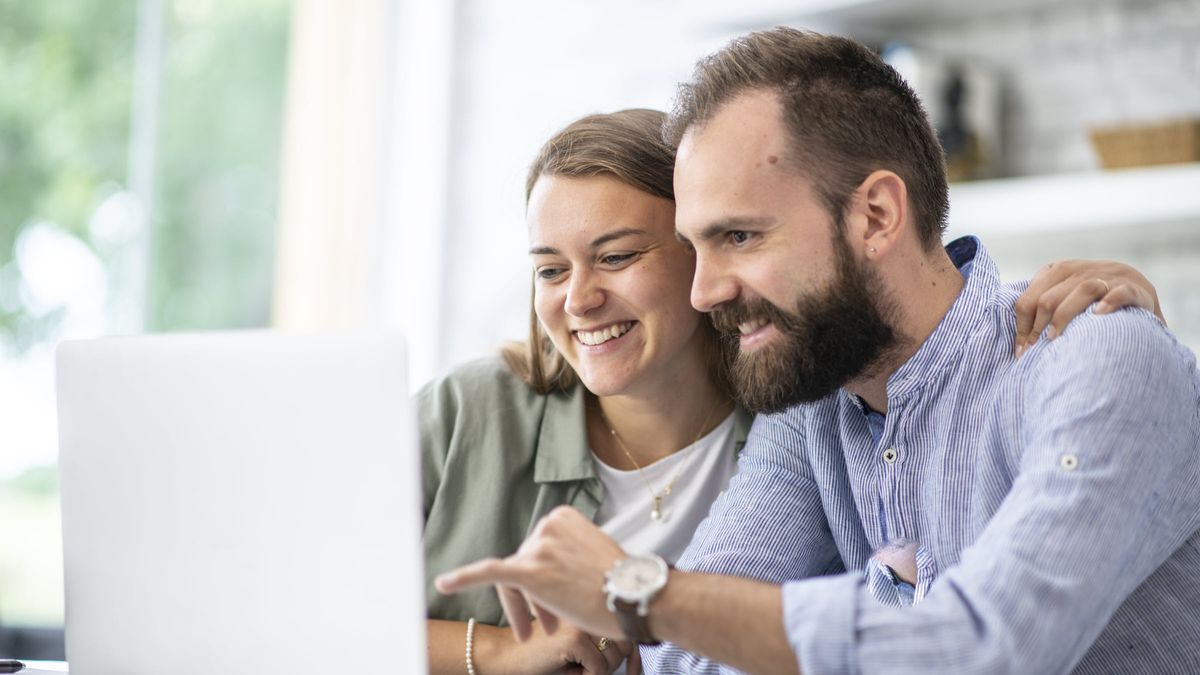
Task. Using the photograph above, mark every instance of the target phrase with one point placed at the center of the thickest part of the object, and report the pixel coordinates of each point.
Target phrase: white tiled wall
(520, 75)
(1071, 66)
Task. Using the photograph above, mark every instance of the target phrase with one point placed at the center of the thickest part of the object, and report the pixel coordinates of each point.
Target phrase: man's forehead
(753, 117)
(744, 135)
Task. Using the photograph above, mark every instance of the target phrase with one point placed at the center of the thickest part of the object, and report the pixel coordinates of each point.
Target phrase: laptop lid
(240, 503)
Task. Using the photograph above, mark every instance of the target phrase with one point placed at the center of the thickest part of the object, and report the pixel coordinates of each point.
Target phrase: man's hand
(558, 573)
(1063, 290)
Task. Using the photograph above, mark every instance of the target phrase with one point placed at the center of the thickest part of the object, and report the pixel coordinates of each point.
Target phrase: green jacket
(496, 457)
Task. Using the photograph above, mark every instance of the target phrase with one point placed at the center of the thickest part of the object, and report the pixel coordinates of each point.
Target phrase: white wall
(519, 76)
(521, 71)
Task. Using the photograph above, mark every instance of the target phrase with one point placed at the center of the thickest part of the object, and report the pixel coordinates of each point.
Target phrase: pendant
(657, 513)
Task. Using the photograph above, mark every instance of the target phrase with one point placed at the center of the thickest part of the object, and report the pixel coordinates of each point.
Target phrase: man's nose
(712, 286)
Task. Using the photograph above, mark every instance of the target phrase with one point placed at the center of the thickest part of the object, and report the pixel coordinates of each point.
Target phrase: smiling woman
(617, 405)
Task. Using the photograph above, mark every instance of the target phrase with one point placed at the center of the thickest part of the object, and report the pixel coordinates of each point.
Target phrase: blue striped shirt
(1055, 500)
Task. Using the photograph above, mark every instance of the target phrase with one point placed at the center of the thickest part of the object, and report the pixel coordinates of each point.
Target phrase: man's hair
(626, 145)
(848, 114)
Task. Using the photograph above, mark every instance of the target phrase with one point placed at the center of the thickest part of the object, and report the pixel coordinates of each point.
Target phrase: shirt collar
(943, 346)
(562, 445)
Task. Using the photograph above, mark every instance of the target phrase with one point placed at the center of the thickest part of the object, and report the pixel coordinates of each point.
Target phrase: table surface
(38, 667)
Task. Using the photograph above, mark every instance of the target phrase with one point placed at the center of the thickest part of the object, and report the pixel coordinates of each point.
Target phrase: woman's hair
(626, 145)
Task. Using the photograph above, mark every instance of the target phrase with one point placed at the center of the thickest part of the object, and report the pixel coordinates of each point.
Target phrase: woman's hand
(568, 650)
(1063, 290)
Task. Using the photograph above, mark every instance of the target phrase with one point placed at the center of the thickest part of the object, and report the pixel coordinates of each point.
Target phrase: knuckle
(1046, 303)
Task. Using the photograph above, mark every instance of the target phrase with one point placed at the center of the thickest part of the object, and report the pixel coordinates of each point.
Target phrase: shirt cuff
(819, 617)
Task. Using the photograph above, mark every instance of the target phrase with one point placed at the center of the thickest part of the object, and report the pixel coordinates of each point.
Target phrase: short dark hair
(848, 112)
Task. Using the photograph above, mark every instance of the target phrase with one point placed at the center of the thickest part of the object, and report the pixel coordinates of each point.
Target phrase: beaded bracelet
(470, 640)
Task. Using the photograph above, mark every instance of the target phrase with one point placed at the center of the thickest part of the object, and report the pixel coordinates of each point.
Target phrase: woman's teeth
(597, 337)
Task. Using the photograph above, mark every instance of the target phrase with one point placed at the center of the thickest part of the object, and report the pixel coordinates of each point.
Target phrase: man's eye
(739, 237)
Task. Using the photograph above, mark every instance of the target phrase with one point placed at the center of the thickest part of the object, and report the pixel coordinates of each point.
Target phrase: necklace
(656, 514)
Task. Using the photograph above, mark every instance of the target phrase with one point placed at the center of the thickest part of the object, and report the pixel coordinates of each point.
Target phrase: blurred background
(173, 165)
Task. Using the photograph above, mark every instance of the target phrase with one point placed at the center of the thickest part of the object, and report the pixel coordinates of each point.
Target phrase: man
(994, 515)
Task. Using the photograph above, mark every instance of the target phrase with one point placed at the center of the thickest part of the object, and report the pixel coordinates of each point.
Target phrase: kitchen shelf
(1059, 203)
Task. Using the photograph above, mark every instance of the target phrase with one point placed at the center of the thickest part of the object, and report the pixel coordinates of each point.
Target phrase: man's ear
(880, 206)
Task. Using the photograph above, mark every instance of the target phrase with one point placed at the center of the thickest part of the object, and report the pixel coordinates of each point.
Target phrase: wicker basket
(1145, 145)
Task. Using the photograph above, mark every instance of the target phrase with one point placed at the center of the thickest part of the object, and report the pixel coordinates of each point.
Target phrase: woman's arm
(1063, 290)
(496, 652)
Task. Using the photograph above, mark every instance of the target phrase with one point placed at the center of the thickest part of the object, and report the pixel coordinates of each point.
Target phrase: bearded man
(918, 499)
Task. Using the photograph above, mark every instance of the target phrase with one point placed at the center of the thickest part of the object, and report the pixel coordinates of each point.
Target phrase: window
(139, 153)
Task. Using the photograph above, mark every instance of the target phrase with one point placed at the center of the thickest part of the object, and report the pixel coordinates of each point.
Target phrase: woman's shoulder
(481, 379)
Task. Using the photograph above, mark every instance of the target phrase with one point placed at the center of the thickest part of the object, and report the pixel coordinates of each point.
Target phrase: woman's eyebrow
(596, 243)
(615, 234)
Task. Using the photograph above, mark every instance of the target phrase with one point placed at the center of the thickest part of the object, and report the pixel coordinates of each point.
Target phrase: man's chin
(768, 382)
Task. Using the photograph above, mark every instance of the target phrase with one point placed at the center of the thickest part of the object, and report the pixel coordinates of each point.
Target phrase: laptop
(240, 503)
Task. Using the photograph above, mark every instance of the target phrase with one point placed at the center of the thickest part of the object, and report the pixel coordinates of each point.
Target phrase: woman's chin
(604, 384)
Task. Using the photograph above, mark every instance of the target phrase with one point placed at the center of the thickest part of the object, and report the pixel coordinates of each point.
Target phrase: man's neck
(923, 286)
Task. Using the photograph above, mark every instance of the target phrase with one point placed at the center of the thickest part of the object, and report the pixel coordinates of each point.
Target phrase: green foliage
(219, 155)
(67, 76)
(64, 126)
(36, 481)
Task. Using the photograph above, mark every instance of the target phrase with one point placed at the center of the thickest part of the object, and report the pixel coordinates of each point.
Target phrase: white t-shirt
(704, 472)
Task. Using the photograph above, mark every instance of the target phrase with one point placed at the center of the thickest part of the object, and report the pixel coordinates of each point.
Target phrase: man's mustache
(729, 316)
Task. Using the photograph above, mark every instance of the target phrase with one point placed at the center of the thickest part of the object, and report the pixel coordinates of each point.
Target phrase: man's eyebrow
(596, 243)
(720, 227)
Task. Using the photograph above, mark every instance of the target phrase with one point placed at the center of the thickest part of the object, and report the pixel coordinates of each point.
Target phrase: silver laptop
(240, 503)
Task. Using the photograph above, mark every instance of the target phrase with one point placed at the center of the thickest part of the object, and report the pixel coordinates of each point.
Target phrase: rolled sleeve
(820, 618)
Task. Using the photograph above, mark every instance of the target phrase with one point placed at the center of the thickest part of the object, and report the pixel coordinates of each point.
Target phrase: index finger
(486, 572)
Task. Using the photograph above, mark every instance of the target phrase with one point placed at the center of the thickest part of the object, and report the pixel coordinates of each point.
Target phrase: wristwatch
(631, 585)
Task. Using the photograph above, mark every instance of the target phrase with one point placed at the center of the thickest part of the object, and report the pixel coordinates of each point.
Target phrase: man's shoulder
(1127, 357)
(1099, 340)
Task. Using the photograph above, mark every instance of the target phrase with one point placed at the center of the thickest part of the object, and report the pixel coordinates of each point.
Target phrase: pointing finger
(480, 573)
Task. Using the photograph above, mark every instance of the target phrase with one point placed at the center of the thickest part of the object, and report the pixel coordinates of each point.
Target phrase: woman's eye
(616, 258)
(549, 273)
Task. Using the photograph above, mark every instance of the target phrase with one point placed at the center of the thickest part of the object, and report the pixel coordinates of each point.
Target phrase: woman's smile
(596, 337)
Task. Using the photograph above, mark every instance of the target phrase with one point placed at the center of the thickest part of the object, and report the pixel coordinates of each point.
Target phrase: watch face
(637, 576)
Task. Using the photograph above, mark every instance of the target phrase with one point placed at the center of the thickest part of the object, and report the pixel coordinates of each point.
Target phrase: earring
(871, 249)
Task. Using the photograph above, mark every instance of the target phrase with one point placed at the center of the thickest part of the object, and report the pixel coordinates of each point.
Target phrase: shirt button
(1068, 462)
(890, 455)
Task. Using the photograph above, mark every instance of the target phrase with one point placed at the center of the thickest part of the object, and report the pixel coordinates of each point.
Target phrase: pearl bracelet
(470, 640)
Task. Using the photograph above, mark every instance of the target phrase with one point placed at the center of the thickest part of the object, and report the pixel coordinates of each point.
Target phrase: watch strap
(634, 624)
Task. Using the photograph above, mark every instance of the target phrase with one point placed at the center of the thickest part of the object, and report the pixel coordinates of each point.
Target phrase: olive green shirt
(496, 457)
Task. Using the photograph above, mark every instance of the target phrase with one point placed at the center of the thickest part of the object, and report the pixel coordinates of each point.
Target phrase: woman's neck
(651, 427)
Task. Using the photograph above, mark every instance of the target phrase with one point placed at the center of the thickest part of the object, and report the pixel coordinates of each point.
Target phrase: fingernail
(1020, 349)
(1102, 307)
(1051, 333)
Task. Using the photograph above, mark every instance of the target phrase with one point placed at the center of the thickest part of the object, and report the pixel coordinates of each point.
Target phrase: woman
(617, 405)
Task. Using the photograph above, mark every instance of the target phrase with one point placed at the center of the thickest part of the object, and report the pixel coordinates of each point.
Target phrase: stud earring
(871, 249)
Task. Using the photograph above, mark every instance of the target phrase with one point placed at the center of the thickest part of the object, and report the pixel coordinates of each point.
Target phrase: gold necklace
(657, 514)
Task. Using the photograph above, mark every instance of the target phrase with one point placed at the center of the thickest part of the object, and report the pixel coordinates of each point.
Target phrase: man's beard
(834, 336)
